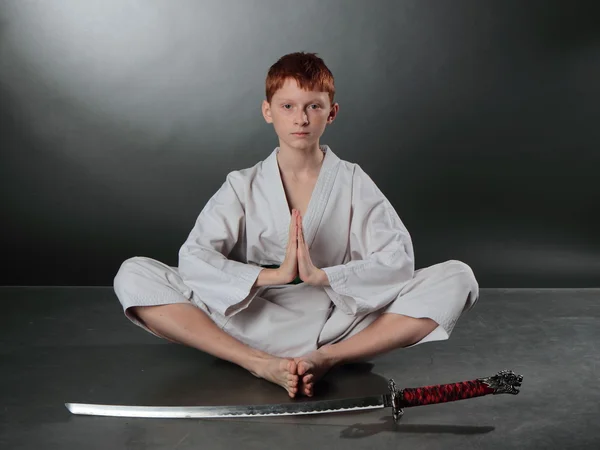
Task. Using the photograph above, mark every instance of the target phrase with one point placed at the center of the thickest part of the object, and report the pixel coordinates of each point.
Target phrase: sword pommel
(504, 382)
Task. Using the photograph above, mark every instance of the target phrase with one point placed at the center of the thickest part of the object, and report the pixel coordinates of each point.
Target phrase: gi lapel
(318, 199)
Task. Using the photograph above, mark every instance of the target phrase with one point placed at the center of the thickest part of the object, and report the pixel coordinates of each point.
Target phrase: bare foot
(311, 368)
(280, 371)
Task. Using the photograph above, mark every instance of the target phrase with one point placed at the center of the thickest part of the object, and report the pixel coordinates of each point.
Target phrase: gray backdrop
(479, 120)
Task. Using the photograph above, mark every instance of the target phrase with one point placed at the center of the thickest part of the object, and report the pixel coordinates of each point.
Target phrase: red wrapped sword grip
(444, 393)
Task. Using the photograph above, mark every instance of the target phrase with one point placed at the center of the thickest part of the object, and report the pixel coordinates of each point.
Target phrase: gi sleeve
(223, 284)
(381, 253)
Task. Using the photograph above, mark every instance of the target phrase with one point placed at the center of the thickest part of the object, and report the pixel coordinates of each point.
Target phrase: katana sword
(504, 382)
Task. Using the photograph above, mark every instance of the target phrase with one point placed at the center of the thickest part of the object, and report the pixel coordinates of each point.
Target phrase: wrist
(282, 277)
(324, 278)
(320, 278)
(269, 277)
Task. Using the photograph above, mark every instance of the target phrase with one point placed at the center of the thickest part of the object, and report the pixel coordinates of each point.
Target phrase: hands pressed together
(297, 261)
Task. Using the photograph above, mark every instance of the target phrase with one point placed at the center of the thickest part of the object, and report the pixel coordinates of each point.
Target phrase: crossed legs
(179, 321)
(188, 325)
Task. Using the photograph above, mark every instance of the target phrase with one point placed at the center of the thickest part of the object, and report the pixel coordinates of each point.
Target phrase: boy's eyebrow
(290, 100)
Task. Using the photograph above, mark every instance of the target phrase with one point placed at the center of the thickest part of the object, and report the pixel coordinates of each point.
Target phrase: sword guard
(395, 398)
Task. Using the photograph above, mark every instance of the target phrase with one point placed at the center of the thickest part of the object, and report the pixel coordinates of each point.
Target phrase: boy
(298, 263)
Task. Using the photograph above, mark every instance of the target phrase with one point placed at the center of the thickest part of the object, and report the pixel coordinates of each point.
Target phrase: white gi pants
(292, 320)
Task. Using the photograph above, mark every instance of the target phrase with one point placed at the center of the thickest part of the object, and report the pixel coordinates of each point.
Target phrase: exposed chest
(298, 193)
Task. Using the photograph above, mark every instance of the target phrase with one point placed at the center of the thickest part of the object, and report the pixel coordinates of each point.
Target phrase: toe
(292, 367)
(308, 378)
(302, 367)
(308, 386)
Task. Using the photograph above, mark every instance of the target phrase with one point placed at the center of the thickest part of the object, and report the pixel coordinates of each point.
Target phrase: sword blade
(192, 412)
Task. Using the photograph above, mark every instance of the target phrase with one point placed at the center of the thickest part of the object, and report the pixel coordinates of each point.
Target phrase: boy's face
(293, 109)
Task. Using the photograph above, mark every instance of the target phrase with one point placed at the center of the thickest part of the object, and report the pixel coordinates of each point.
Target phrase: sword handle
(504, 382)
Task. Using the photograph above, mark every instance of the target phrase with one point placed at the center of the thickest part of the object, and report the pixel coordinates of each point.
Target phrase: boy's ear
(266, 110)
(333, 112)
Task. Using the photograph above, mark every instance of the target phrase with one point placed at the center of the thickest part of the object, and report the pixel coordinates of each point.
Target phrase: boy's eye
(314, 104)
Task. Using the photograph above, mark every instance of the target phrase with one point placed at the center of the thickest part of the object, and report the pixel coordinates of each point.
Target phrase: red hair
(307, 69)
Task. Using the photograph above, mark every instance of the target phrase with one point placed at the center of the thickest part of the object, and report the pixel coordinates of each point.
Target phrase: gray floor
(62, 345)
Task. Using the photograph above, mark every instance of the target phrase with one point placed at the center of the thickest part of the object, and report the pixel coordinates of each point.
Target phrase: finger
(295, 232)
(293, 228)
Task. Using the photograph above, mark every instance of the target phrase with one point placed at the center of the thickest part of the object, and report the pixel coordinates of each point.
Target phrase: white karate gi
(353, 234)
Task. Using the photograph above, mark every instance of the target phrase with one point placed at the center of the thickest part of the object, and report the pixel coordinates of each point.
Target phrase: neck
(300, 161)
